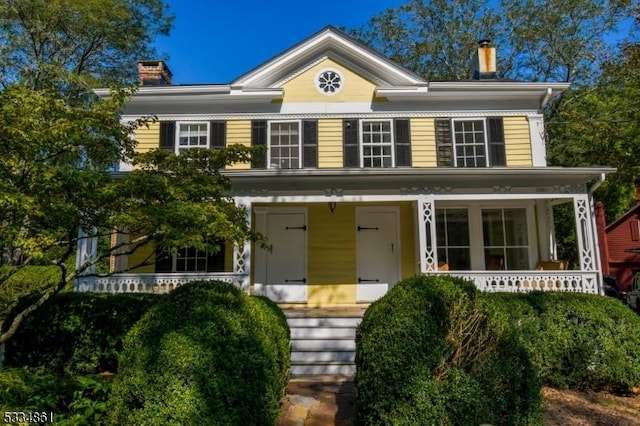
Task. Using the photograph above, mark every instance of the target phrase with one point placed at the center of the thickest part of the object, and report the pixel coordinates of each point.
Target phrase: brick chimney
(483, 63)
(153, 73)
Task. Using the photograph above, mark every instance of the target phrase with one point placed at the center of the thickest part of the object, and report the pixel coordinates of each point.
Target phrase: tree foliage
(97, 40)
(537, 40)
(56, 161)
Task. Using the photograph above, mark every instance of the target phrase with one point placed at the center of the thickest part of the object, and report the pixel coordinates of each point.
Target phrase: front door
(281, 271)
(378, 251)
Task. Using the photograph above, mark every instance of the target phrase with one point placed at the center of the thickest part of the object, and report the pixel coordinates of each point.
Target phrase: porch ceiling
(546, 179)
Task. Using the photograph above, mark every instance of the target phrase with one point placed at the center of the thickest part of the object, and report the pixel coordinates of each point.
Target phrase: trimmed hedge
(207, 354)
(15, 284)
(75, 333)
(433, 352)
(577, 340)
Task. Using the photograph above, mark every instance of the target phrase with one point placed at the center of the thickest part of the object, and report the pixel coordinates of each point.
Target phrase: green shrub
(577, 340)
(432, 352)
(207, 354)
(15, 284)
(76, 333)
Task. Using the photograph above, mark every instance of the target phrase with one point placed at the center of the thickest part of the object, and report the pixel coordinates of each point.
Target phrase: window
(191, 260)
(452, 231)
(505, 238)
(284, 145)
(470, 142)
(377, 144)
(192, 135)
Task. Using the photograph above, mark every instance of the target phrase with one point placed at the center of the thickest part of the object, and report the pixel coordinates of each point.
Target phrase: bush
(577, 340)
(76, 333)
(207, 354)
(433, 352)
(19, 283)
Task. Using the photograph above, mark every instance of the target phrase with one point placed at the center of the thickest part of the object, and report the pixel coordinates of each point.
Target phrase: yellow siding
(228, 257)
(139, 256)
(302, 88)
(408, 236)
(148, 138)
(239, 132)
(330, 143)
(517, 142)
(423, 142)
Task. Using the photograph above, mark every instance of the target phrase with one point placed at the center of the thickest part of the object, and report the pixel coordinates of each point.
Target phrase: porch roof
(536, 179)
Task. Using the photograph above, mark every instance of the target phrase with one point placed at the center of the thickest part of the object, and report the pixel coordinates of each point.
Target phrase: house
(371, 174)
(620, 243)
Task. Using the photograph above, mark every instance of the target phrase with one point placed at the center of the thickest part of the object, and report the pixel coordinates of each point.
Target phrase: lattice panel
(428, 215)
(585, 240)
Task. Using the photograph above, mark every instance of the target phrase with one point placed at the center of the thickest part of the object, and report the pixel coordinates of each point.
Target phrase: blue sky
(217, 41)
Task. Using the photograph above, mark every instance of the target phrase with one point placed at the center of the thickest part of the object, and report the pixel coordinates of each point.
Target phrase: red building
(620, 243)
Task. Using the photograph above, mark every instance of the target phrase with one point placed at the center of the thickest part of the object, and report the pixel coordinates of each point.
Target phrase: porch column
(584, 232)
(242, 253)
(427, 234)
(546, 230)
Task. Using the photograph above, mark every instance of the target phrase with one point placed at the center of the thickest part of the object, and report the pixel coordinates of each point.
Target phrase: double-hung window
(377, 143)
(191, 260)
(473, 142)
(284, 144)
(506, 238)
(192, 135)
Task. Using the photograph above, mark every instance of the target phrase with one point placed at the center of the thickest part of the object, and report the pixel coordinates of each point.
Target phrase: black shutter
(351, 148)
(259, 138)
(168, 135)
(496, 142)
(164, 261)
(218, 134)
(403, 142)
(309, 143)
(444, 143)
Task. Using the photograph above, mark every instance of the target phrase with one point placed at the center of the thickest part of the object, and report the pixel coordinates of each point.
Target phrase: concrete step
(322, 369)
(323, 356)
(322, 333)
(347, 322)
(301, 345)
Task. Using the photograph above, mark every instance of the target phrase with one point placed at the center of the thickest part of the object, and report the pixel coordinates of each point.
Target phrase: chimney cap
(485, 42)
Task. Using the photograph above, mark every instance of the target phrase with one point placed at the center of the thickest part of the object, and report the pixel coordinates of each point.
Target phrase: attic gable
(333, 44)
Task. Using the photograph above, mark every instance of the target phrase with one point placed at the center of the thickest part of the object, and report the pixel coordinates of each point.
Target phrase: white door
(284, 272)
(378, 252)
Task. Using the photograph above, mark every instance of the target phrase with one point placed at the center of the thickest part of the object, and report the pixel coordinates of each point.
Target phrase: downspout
(546, 98)
(594, 231)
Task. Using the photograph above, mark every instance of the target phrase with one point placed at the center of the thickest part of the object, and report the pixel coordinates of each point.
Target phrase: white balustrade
(152, 283)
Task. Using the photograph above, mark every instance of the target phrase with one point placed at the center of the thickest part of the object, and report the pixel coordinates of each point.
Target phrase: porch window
(284, 145)
(193, 135)
(452, 228)
(377, 144)
(191, 260)
(505, 237)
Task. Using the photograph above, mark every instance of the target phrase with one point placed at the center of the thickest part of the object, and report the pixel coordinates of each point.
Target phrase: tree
(93, 42)
(55, 163)
(537, 40)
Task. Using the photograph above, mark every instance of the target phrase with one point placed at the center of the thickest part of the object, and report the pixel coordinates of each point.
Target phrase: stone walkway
(318, 401)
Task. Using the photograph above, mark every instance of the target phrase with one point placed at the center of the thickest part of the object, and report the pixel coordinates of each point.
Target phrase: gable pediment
(335, 45)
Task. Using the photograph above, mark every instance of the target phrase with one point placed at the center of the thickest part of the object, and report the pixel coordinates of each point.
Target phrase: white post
(87, 251)
(242, 254)
(584, 233)
(427, 234)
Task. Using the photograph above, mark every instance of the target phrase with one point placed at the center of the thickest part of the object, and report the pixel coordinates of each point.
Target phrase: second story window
(377, 144)
(284, 145)
(192, 135)
(477, 142)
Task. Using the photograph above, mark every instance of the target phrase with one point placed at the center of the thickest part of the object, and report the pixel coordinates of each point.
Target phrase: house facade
(371, 174)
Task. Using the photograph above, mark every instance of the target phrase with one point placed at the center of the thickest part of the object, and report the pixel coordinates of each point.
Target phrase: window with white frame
(284, 144)
(470, 143)
(377, 143)
(506, 238)
(191, 260)
(452, 232)
(192, 135)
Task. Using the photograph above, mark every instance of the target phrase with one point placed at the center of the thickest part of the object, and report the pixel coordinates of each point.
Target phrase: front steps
(323, 340)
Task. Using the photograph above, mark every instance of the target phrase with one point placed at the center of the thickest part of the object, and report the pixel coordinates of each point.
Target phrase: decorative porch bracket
(427, 234)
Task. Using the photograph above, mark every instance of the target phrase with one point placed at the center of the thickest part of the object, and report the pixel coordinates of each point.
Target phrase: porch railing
(525, 281)
(154, 282)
